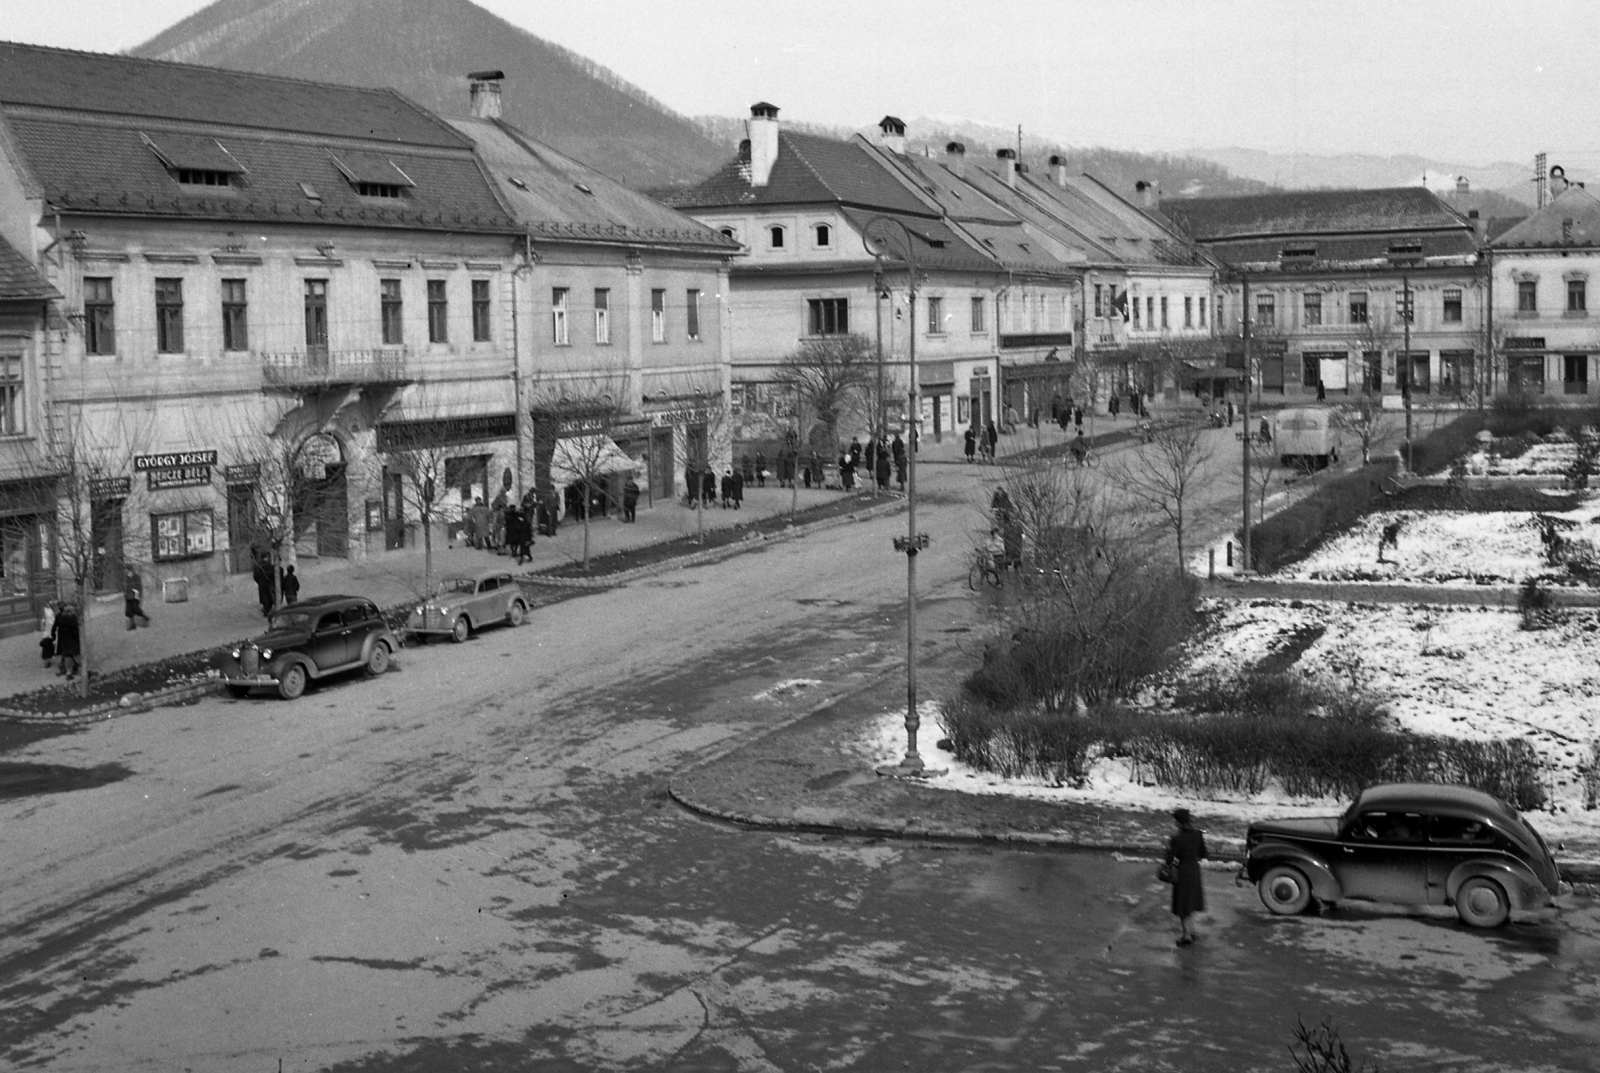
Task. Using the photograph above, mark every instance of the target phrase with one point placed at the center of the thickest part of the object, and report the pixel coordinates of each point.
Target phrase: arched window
(775, 237)
(727, 232)
(824, 235)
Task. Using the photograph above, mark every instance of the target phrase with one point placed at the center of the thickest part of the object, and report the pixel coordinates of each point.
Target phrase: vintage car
(309, 640)
(1307, 437)
(1409, 843)
(462, 604)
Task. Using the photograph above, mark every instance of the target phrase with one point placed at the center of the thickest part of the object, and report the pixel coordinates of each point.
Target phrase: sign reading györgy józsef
(176, 469)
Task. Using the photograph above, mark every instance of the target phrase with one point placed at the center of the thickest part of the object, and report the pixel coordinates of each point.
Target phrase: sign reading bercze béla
(178, 469)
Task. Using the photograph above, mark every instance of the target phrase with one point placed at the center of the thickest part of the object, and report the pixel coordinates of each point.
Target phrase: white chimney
(1462, 185)
(1058, 171)
(955, 157)
(1008, 166)
(484, 86)
(763, 129)
(893, 134)
(1149, 194)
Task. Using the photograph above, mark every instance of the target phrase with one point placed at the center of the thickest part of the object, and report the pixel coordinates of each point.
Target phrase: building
(1541, 273)
(27, 502)
(627, 354)
(1350, 290)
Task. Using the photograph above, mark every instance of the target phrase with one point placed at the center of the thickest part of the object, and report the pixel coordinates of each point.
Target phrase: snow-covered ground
(1462, 672)
(1446, 547)
(1540, 460)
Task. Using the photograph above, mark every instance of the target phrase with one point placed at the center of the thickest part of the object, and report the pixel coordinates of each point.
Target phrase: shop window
(182, 535)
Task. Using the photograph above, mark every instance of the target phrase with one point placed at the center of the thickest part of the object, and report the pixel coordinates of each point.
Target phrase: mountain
(1174, 174)
(1306, 171)
(424, 49)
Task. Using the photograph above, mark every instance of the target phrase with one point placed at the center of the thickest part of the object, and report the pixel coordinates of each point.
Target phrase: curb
(108, 708)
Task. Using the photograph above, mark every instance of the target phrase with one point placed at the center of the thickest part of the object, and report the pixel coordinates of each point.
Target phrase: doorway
(242, 519)
(1575, 374)
(394, 510)
(105, 529)
(321, 498)
(661, 469)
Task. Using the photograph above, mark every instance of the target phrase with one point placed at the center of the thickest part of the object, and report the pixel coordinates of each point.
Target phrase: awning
(577, 457)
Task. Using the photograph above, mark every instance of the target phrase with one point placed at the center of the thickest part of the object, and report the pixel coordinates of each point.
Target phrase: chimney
(955, 157)
(1480, 226)
(484, 87)
(1149, 194)
(1008, 166)
(1462, 186)
(1058, 171)
(763, 128)
(893, 134)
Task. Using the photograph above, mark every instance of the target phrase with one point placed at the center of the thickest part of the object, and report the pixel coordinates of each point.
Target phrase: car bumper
(249, 680)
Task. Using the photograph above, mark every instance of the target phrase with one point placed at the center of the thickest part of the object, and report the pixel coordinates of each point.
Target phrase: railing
(320, 367)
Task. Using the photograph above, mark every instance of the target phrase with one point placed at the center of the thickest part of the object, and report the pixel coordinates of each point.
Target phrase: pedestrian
(1114, 404)
(1055, 408)
(991, 437)
(738, 491)
(261, 570)
(1000, 508)
(691, 484)
(970, 442)
(1185, 851)
(630, 499)
(497, 522)
(47, 632)
(847, 472)
(900, 471)
(872, 455)
(761, 469)
(883, 471)
(67, 638)
(855, 452)
(133, 597)
(1077, 417)
(481, 520)
(725, 488)
(289, 585)
(708, 487)
(1230, 413)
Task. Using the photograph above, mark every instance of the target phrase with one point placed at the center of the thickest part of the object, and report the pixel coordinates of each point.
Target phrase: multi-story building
(27, 507)
(1350, 290)
(1542, 270)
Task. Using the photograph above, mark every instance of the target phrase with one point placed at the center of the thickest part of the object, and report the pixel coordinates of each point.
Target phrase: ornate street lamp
(913, 541)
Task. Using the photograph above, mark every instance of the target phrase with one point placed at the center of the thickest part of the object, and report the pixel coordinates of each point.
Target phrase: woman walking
(1185, 851)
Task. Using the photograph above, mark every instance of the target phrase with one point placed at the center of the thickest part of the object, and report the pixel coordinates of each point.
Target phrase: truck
(1306, 437)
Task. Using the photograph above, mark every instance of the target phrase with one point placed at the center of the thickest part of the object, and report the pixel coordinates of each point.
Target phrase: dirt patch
(29, 780)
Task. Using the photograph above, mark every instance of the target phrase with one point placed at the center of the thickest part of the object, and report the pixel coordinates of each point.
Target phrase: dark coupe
(311, 639)
(1409, 843)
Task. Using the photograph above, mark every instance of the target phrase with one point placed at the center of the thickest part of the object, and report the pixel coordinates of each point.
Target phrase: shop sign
(177, 469)
(110, 487)
(249, 473)
(1525, 342)
(703, 415)
(438, 432)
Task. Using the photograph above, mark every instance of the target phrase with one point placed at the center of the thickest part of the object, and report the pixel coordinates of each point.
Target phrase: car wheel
(1482, 903)
(378, 662)
(238, 691)
(1285, 890)
(292, 682)
(517, 613)
(460, 630)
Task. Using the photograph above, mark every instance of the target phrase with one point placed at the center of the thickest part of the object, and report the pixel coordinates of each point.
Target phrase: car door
(1452, 840)
(484, 599)
(1383, 857)
(330, 641)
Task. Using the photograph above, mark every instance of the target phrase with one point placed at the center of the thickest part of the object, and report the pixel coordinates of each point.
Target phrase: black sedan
(1407, 843)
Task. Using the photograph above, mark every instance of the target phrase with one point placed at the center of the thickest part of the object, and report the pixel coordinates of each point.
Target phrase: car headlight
(420, 609)
(266, 653)
(234, 653)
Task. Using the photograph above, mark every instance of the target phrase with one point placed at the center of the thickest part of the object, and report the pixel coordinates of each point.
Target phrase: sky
(1466, 82)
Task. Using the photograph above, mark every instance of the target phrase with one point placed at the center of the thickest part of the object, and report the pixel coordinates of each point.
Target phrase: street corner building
(243, 315)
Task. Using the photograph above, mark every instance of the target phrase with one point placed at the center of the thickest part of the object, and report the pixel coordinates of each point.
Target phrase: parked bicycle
(985, 571)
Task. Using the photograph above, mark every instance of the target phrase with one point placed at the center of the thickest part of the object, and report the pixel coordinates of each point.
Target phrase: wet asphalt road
(471, 863)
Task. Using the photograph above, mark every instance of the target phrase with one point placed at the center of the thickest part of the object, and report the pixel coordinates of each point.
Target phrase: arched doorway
(321, 498)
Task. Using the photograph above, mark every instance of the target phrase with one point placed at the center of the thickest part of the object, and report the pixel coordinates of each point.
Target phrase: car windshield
(291, 620)
(453, 585)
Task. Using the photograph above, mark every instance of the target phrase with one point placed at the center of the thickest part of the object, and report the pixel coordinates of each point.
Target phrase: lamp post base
(910, 768)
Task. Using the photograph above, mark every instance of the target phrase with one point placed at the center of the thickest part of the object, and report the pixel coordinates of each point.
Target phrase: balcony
(319, 367)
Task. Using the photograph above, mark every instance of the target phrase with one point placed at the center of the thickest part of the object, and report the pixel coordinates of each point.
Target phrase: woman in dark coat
(68, 644)
(1185, 851)
(970, 442)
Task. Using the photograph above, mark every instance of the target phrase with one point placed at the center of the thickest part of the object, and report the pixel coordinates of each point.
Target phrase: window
(1222, 305)
(389, 308)
(829, 316)
(316, 315)
(235, 322)
(602, 316)
(558, 317)
(775, 238)
(1577, 296)
(1266, 311)
(99, 322)
(13, 419)
(1372, 371)
(1459, 830)
(935, 316)
(1405, 306)
(1358, 307)
(391, 190)
(1135, 304)
(480, 311)
(1150, 312)
(824, 235)
(1313, 309)
(1452, 306)
(203, 177)
(658, 316)
(693, 307)
(978, 320)
(1188, 311)
(1165, 324)
(184, 535)
(1099, 300)
(169, 316)
(438, 312)
(1310, 369)
(1527, 296)
(1203, 312)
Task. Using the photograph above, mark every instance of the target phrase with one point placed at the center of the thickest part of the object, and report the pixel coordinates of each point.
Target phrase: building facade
(27, 505)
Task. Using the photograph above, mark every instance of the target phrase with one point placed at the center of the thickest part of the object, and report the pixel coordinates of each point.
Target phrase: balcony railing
(320, 367)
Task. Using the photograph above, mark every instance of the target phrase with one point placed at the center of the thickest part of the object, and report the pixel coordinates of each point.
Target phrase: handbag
(1167, 872)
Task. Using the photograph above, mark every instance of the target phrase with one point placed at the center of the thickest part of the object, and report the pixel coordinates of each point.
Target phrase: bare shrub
(1320, 1050)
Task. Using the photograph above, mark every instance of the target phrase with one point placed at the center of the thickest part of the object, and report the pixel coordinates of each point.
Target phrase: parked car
(1307, 437)
(460, 605)
(309, 640)
(1408, 843)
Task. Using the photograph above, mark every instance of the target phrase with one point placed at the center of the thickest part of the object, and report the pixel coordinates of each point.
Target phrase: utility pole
(877, 408)
(1244, 319)
(1405, 384)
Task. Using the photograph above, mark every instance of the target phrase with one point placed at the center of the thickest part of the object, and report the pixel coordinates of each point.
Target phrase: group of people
(270, 583)
(61, 627)
(704, 488)
(984, 440)
(884, 460)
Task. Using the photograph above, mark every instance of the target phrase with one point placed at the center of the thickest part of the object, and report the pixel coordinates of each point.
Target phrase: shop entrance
(321, 498)
(661, 463)
(27, 563)
(105, 530)
(394, 510)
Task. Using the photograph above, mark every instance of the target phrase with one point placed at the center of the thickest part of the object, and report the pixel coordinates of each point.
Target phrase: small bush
(1533, 603)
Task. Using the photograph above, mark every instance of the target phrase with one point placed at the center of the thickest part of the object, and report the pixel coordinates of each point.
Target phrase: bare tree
(710, 442)
(420, 465)
(833, 377)
(1365, 419)
(1162, 473)
(574, 418)
(1265, 465)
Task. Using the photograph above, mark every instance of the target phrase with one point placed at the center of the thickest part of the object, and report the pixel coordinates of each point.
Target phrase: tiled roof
(92, 166)
(1311, 212)
(556, 197)
(88, 82)
(809, 170)
(1118, 232)
(935, 245)
(1572, 219)
(1440, 247)
(19, 280)
(1043, 213)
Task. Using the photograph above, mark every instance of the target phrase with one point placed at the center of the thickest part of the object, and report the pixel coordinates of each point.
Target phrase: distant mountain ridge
(1308, 171)
(424, 49)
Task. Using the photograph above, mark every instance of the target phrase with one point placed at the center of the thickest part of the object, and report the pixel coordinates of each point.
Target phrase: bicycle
(1088, 459)
(984, 572)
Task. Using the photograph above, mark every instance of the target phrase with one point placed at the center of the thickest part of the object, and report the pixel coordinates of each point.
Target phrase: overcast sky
(1465, 81)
